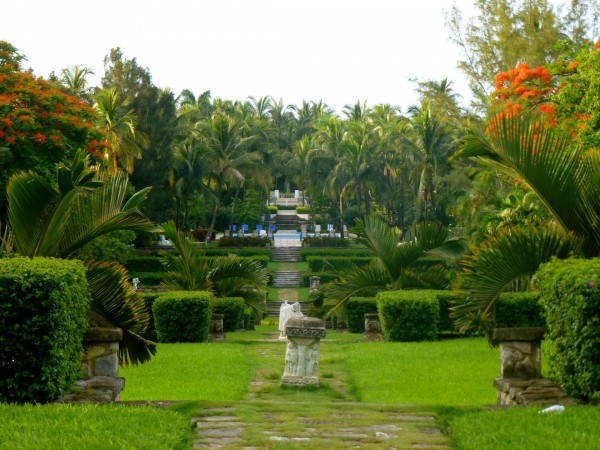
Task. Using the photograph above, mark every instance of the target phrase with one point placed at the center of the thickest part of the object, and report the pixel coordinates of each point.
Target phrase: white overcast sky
(338, 51)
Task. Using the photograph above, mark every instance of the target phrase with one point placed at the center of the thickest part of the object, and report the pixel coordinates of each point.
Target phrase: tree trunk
(214, 220)
(234, 203)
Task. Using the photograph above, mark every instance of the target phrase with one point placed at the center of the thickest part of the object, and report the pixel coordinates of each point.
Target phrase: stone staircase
(273, 308)
(287, 221)
(287, 279)
(286, 254)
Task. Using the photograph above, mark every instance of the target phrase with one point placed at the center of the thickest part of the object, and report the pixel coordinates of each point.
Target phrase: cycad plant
(566, 179)
(396, 262)
(56, 221)
(226, 276)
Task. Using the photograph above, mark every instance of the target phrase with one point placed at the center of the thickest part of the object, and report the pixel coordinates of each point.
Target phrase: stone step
(273, 308)
(287, 278)
(286, 254)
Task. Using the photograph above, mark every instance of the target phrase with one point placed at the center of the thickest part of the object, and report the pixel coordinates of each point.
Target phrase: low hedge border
(182, 316)
(333, 263)
(356, 308)
(409, 315)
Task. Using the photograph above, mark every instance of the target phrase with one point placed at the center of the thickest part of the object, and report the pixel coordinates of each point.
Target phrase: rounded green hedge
(356, 308)
(409, 315)
(570, 295)
(232, 309)
(182, 316)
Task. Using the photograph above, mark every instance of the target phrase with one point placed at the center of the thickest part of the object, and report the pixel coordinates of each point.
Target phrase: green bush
(182, 316)
(409, 315)
(243, 252)
(335, 252)
(356, 308)
(144, 264)
(150, 332)
(519, 309)
(302, 210)
(43, 317)
(446, 300)
(272, 209)
(326, 241)
(570, 295)
(232, 309)
(246, 241)
(325, 277)
(333, 263)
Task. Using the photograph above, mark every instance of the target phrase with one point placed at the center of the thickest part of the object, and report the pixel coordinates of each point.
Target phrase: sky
(336, 51)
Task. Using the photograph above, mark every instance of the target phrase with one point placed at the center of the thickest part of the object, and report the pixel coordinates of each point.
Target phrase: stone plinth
(216, 334)
(520, 381)
(520, 352)
(100, 367)
(373, 328)
(302, 352)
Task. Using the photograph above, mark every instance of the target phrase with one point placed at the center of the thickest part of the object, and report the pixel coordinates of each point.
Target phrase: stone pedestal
(100, 366)
(373, 328)
(315, 284)
(216, 333)
(520, 381)
(302, 352)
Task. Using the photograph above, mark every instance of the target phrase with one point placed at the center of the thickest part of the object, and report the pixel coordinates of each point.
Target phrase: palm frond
(502, 258)
(115, 304)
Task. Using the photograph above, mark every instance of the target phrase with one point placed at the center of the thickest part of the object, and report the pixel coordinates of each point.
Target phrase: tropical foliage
(224, 276)
(56, 221)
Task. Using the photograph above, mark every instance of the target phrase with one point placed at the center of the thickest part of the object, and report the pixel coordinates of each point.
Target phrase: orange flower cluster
(523, 82)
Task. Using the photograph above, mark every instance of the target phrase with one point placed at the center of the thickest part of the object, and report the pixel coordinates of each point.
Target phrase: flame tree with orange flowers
(542, 130)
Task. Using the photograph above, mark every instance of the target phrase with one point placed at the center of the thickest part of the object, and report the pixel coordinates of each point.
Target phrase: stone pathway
(311, 418)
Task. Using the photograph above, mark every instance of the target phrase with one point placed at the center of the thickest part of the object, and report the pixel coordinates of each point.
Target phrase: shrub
(144, 264)
(43, 317)
(519, 309)
(333, 263)
(199, 235)
(302, 210)
(335, 252)
(182, 316)
(409, 315)
(446, 300)
(272, 209)
(149, 299)
(232, 309)
(246, 241)
(326, 241)
(570, 295)
(356, 308)
(243, 252)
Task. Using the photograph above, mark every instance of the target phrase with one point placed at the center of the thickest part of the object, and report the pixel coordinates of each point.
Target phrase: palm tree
(395, 262)
(56, 221)
(566, 179)
(221, 137)
(118, 124)
(229, 276)
(74, 79)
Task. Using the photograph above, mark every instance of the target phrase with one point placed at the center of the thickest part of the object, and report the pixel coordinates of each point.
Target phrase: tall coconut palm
(75, 80)
(118, 124)
(395, 262)
(56, 221)
(565, 178)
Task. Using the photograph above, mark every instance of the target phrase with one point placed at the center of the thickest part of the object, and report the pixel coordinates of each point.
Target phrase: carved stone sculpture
(302, 352)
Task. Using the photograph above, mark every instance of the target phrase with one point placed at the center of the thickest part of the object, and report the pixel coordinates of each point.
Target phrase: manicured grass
(61, 427)
(524, 428)
(451, 372)
(217, 371)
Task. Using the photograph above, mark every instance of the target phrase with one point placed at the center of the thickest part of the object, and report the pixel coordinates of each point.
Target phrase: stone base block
(373, 337)
(539, 391)
(299, 381)
(95, 390)
(216, 337)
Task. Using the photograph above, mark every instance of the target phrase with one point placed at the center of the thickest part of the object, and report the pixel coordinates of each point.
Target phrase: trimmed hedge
(326, 277)
(519, 309)
(409, 315)
(149, 299)
(333, 252)
(232, 309)
(326, 241)
(182, 316)
(446, 300)
(242, 252)
(144, 264)
(272, 209)
(333, 263)
(246, 241)
(302, 210)
(43, 317)
(570, 295)
(356, 308)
